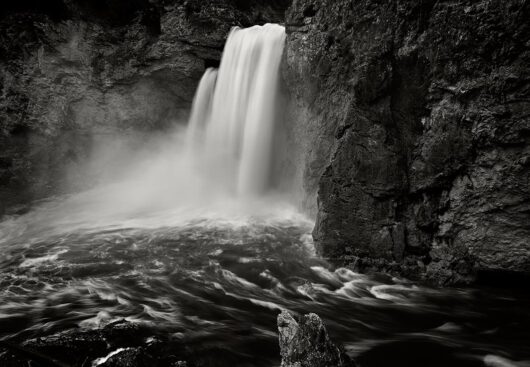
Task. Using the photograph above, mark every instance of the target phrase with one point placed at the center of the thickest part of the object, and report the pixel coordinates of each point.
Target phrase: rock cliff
(416, 130)
(74, 74)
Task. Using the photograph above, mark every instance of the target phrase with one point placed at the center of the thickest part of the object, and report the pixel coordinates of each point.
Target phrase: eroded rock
(306, 343)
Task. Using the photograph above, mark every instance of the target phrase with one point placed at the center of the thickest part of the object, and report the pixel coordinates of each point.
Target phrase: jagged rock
(410, 119)
(306, 343)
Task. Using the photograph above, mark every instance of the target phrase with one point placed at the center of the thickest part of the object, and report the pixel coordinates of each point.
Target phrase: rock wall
(74, 74)
(415, 129)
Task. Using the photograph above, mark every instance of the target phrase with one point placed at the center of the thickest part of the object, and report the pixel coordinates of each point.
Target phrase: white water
(200, 112)
(233, 119)
(218, 170)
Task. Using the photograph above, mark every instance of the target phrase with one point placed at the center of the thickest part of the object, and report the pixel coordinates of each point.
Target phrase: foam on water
(491, 360)
(32, 262)
(102, 360)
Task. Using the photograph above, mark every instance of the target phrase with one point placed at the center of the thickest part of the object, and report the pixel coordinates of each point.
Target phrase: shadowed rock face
(75, 73)
(414, 124)
(306, 343)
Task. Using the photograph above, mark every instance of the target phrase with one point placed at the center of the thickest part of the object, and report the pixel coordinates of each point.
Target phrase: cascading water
(201, 110)
(233, 117)
(220, 167)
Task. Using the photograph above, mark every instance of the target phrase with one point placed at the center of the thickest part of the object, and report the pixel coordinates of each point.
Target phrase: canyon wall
(415, 129)
(78, 77)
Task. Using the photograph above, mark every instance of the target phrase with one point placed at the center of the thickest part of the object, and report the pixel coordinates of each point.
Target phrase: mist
(222, 165)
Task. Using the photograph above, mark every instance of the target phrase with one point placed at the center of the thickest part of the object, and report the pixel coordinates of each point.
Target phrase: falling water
(233, 118)
(201, 109)
(220, 167)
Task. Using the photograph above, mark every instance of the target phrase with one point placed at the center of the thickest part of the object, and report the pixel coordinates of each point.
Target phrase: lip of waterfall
(232, 123)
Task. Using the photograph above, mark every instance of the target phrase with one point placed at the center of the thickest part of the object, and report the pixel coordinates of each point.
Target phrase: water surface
(217, 280)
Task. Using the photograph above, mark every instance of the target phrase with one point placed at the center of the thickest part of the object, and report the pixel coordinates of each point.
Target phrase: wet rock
(136, 357)
(410, 121)
(119, 344)
(306, 343)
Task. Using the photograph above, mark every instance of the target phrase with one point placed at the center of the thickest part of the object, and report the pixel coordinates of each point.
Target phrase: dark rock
(138, 357)
(411, 122)
(306, 343)
(119, 344)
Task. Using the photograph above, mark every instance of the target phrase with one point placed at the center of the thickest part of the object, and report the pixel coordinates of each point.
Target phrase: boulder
(306, 343)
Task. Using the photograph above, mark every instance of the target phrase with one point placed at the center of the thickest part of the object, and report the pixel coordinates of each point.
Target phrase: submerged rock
(306, 343)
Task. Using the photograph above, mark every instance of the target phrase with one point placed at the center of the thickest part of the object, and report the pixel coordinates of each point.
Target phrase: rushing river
(217, 284)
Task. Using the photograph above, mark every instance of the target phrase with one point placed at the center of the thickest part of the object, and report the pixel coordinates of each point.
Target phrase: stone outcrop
(75, 74)
(415, 132)
(306, 343)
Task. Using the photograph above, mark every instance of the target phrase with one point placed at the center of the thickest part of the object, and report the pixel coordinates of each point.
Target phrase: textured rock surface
(119, 344)
(415, 129)
(75, 73)
(306, 343)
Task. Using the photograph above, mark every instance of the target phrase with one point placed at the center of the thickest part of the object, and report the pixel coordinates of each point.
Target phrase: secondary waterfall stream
(197, 245)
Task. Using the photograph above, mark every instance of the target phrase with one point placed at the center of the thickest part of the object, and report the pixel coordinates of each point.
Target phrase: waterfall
(224, 169)
(231, 129)
(201, 108)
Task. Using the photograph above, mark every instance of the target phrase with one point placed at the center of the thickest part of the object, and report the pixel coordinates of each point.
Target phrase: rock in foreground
(119, 344)
(306, 343)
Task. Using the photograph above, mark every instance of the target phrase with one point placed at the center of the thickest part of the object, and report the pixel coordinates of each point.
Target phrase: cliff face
(75, 73)
(414, 117)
